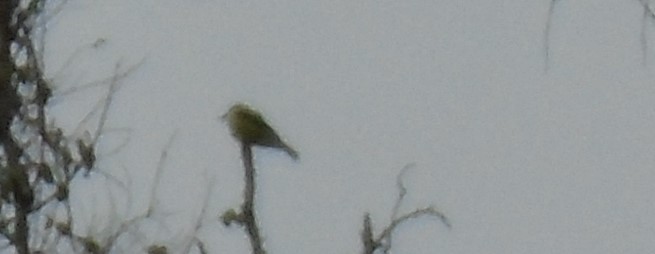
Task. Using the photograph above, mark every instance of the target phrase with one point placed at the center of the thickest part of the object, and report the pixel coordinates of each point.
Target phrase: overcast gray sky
(520, 160)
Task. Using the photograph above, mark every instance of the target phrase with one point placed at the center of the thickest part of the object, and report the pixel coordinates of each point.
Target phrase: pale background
(521, 160)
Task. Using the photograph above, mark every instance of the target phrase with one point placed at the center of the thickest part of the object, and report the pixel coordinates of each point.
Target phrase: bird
(249, 126)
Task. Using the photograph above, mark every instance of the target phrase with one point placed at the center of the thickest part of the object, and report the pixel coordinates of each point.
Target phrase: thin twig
(402, 192)
(648, 15)
(113, 88)
(549, 21)
(158, 173)
(104, 105)
(383, 240)
(428, 211)
(201, 216)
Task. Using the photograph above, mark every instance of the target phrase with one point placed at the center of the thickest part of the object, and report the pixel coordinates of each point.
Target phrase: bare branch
(428, 211)
(201, 247)
(248, 207)
(648, 15)
(247, 217)
(113, 87)
(383, 240)
(158, 173)
(402, 191)
(549, 21)
(105, 104)
(370, 245)
(201, 216)
(99, 42)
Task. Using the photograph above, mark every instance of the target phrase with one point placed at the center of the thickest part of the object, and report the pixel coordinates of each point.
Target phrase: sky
(523, 154)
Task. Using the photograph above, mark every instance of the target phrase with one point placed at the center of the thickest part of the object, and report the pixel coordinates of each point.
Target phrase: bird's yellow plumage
(248, 126)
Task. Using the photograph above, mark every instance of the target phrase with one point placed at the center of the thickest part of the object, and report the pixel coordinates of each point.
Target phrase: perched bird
(248, 126)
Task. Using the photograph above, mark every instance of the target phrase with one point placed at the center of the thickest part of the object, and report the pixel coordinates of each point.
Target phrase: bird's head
(237, 109)
(233, 110)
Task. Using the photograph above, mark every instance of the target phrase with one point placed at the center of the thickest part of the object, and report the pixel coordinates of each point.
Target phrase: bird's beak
(223, 117)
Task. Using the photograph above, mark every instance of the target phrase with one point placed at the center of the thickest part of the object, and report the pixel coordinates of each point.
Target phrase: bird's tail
(292, 152)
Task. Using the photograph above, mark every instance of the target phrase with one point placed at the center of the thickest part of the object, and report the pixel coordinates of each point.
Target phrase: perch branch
(248, 208)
